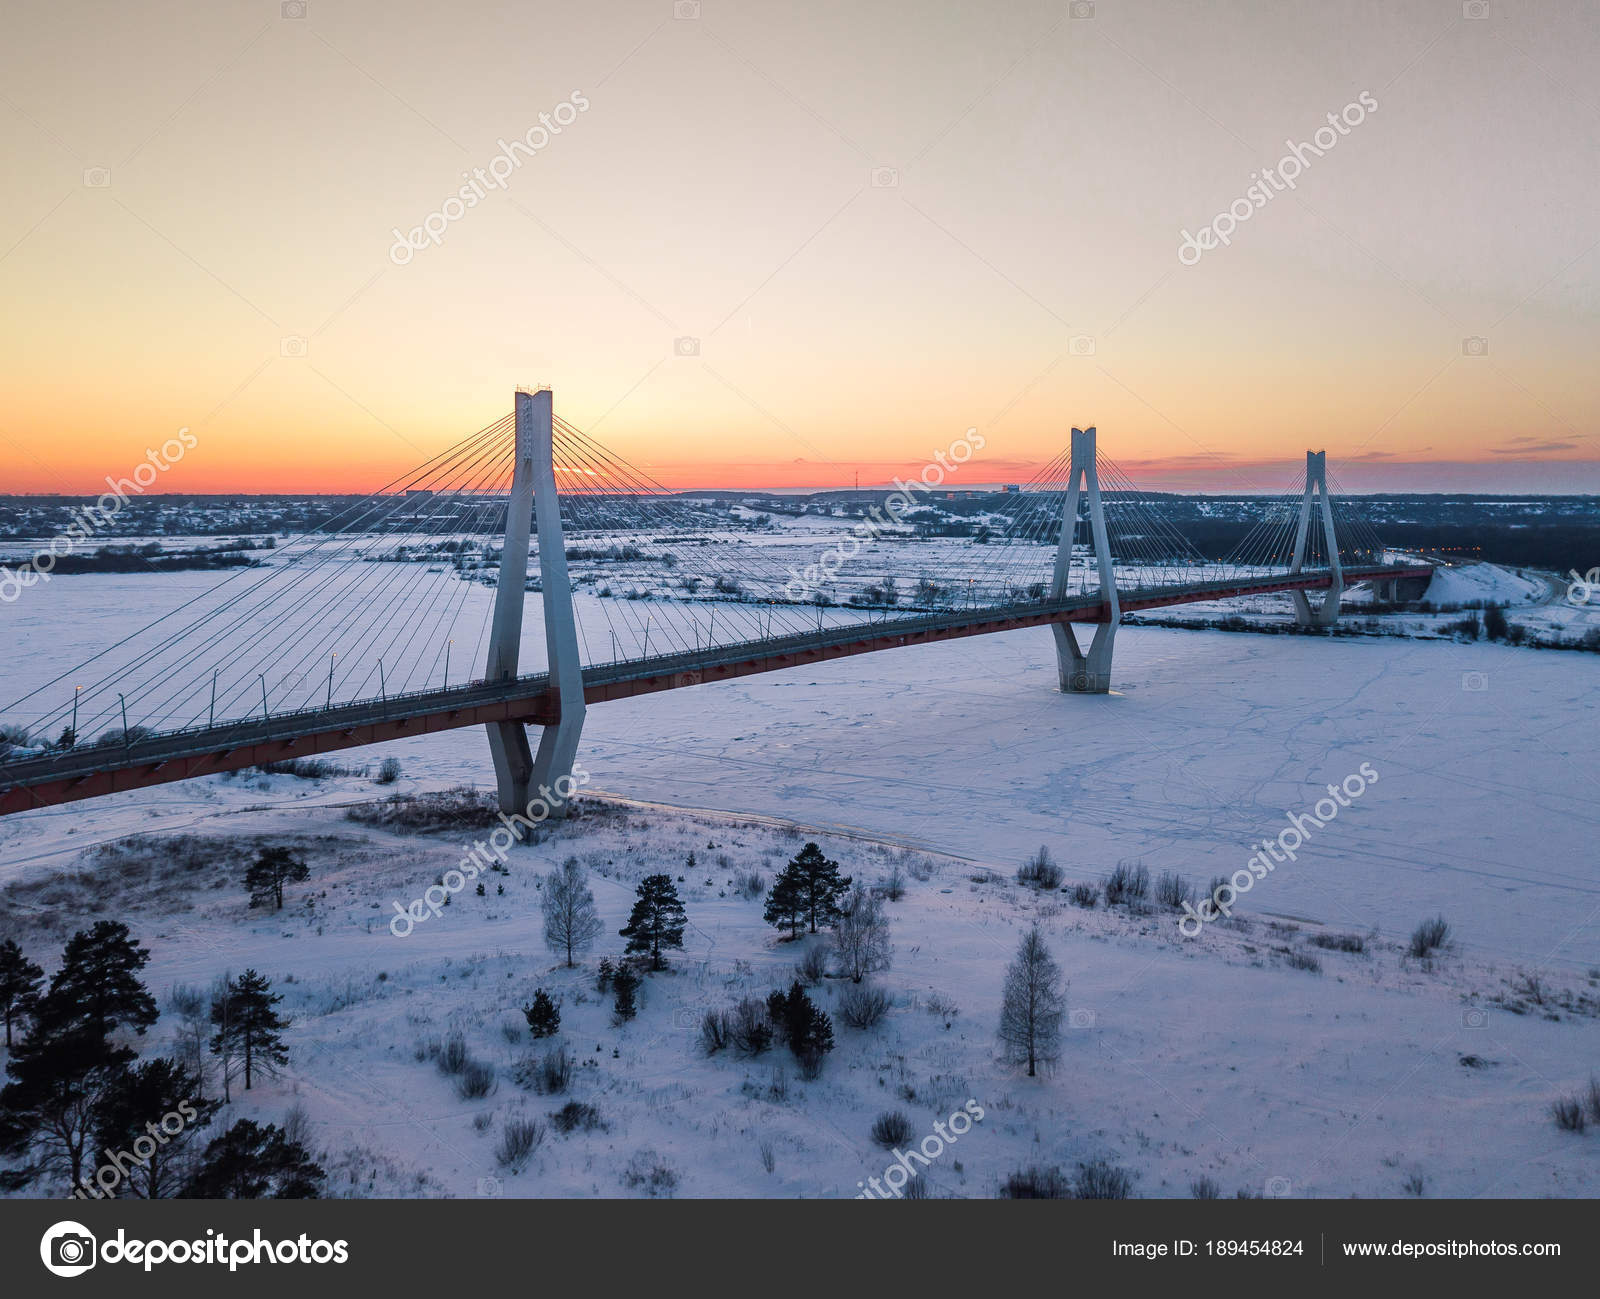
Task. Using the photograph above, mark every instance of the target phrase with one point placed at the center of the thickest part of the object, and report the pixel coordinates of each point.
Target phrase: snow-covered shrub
(476, 1081)
(451, 1054)
(891, 1129)
(1568, 1113)
(518, 1140)
(861, 1005)
(812, 968)
(1172, 890)
(650, 1174)
(1129, 883)
(1036, 1183)
(716, 1031)
(1100, 1180)
(548, 1074)
(1040, 871)
(1429, 937)
(574, 1115)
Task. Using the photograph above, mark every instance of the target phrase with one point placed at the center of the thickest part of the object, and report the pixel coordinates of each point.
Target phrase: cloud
(1534, 447)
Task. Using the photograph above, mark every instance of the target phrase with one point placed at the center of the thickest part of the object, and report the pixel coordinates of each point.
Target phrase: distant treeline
(1555, 546)
(150, 558)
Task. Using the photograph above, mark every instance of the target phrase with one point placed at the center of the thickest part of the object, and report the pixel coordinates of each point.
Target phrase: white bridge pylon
(1085, 672)
(1327, 613)
(523, 775)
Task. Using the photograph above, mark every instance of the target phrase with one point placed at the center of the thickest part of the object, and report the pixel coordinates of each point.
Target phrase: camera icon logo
(1081, 1018)
(1474, 8)
(490, 1188)
(96, 177)
(1475, 346)
(686, 346)
(293, 8)
(885, 178)
(1474, 1017)
(68, 1249)
(1279, 1188)
(684, 10)
(293, 346)
(1081, 8)
(1474, 680)
(1081, 345)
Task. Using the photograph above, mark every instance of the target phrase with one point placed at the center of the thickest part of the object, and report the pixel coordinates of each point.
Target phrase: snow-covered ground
(1186, 1058)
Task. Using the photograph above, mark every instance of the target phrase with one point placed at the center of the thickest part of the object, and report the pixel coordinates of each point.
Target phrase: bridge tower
(1327, 613)
(522, 774)
(1085, 672)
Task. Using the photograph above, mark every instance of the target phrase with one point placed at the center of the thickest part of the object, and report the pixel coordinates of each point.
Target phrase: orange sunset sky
(876, 225)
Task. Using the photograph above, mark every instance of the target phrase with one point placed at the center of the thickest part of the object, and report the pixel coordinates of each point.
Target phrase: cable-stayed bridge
(405, 614)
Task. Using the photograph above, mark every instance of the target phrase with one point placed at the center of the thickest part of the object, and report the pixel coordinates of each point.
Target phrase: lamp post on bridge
(76, 690)
(266, 715)
(447, 646)
(123, 701)
(332, 658)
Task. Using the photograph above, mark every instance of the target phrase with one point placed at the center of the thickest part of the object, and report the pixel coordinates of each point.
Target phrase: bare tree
(861, 938)
(1034, 998)
(191, 1035)
(571, 922)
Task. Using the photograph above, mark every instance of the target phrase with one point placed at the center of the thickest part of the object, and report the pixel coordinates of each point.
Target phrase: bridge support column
(522, 774)
(1327, 613)
(1085, 671)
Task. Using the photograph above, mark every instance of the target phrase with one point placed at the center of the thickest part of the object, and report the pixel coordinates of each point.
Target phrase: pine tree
(271, 870)
(1032, 1004)
(811, 883)
(543, 1016)
(137, 1108)
(786, 902)
(571, 922)
(61, 1075)
(657, 920)
(606, 973)
(247, 1029)
(19, 986)
(804, 1026)
(249, 1162)
(626, 984)
(98, 983)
